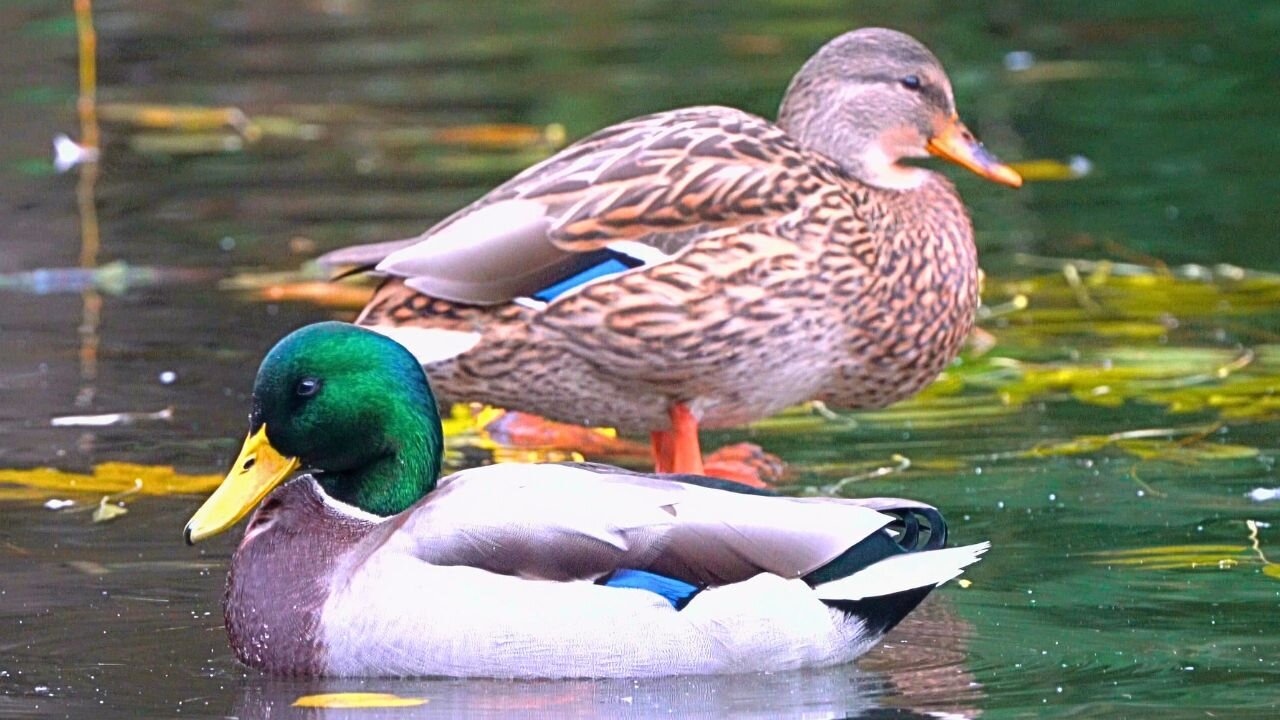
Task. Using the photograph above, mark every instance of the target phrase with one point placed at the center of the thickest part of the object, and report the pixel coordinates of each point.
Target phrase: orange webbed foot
(746, 463)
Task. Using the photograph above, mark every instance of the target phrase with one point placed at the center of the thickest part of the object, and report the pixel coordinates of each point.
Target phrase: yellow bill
(256, 472)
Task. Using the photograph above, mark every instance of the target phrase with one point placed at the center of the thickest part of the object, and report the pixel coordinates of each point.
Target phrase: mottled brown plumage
(782, 262)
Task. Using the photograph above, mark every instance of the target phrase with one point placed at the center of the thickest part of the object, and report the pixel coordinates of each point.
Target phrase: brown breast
(279, 579)
(910, 296)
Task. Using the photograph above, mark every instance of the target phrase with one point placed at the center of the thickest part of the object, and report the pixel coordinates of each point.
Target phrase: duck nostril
(248, 464)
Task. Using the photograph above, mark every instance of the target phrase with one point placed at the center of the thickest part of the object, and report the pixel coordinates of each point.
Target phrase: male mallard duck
(364, 565)
(704, 266)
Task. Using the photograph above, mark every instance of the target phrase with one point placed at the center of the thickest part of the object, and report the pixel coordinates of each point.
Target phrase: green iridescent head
(348, 405)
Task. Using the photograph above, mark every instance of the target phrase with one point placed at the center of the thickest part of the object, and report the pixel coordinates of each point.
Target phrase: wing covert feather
(557, 522)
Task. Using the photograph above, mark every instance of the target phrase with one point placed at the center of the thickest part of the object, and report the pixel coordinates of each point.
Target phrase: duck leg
(745, 463)
(677, 450)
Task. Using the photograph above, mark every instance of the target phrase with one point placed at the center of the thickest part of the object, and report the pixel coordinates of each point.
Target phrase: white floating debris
(1264, 494)
(108, 511)
(1080, 165)
(68, 153)
(58, 504)
(168, 377)
(108, 419)
(1019, 60)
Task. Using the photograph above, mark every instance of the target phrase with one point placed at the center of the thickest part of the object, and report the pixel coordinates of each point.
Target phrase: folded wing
(633, 194)
(556, 522)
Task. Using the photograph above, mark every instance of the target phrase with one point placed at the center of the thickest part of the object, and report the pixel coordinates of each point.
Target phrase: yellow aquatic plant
(1195, 556)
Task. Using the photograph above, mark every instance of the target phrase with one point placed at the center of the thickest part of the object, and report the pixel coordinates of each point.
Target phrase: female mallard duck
(704, 266)
(364, 565)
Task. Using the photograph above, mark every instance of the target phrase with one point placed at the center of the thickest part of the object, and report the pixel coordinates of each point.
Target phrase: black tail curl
(908, 527)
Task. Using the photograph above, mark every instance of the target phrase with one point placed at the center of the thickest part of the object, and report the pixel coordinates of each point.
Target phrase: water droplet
(1019, 60)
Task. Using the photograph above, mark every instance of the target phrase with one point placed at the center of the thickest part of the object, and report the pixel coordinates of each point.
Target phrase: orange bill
(954, 142)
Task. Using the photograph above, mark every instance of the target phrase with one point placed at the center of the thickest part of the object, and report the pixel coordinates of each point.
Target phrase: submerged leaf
(1178, 557)
(194, 143)
(1172, 550)
(1053, 170)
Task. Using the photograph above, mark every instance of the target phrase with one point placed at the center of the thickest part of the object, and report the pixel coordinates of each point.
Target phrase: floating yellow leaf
(14, 494)
(357, 700)
(112, 477)
(184, 118)
(323, 294)
(500, 135)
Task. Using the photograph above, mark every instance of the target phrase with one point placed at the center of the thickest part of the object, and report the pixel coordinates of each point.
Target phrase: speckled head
(871, 97)
(349, 405)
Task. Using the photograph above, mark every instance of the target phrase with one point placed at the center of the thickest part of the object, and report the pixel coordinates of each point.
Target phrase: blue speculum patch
(676, 592)
(597, 264)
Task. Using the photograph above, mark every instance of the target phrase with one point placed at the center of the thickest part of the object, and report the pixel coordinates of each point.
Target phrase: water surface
(1172, 104)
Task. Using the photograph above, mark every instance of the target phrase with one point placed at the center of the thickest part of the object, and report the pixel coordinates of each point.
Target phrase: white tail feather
(903, 572)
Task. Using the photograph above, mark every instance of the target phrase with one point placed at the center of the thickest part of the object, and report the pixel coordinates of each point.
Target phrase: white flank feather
(903, 572)
(431, 345)
(530, 303)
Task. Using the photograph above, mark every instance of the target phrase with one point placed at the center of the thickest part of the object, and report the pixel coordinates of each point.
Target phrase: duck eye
(307, 387)
(911, 82)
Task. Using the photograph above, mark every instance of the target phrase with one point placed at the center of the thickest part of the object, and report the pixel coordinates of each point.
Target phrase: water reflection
(819, 694)
(918, 674)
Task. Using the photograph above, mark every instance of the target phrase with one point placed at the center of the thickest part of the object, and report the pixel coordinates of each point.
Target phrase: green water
(1172, 103)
